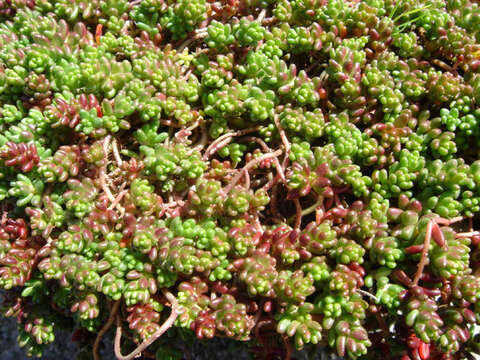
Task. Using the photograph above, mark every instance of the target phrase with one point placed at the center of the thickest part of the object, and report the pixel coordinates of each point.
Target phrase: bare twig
(102, 177)
(423, 259)
(204, 139)
(467, 234)
(221, 141)
(247, 167)
(145, 344)
(426, 243)
(117, 200)
(196, 35)
(444, 66)
(116, 153)
(169, 123)
(103, 184)
(266, 148)
(313, 207)
(288, 347)
(247, 179)
(104, 329)
(257, 328)
(313, 65)
(366, 293)
(298, 216)
(106, 148)
(186, 43)
(201, 31)
(261, 16)
(283, 137)
(273, 202)
(443, 221)
(219, 145)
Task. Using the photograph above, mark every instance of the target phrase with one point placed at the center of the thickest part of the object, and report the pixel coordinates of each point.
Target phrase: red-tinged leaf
(469, 315)
(475, 240)
(98, 33)
(339, 212)
(8, 260)
(357, 268)
(395, 213)
(437, 235)
(322, 92)
(431, 292)
(414, 249)
(401, 276)
(424, 351)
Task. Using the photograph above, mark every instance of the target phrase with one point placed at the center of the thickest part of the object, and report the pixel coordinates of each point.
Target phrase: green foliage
(278, 172)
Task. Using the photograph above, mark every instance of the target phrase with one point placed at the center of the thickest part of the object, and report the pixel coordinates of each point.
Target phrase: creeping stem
(145, 344)
(104, 329)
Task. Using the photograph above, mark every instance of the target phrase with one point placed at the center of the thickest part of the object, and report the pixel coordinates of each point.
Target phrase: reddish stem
(288, 347)
(423, 259)
(104, 329)
(247, 167)
(298, 218)
(145, 344)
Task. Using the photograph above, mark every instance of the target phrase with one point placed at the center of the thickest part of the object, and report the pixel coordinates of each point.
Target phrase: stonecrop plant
(289, 174)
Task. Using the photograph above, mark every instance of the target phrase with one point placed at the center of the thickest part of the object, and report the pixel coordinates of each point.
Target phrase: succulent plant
(282, 173)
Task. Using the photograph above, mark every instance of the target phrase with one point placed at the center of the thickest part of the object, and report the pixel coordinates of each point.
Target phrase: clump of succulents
(290, 173)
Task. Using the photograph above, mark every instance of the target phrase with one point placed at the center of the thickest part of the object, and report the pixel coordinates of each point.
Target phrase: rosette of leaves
(168, 163)
(349, 337)
(297, 322)
(259, 274)
(231, 317)
(192, 301)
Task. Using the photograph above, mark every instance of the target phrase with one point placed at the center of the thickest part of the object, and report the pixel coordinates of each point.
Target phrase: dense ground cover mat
(290, 174)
